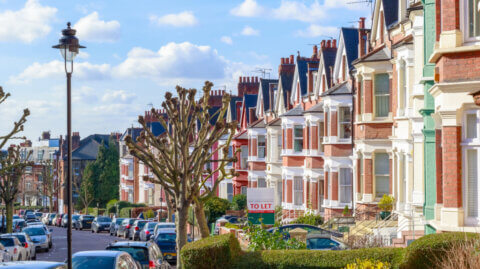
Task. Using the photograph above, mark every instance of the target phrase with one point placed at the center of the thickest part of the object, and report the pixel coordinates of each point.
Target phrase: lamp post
(69, 46)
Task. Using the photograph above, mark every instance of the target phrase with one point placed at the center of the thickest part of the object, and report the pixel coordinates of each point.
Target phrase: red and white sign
(260, 200)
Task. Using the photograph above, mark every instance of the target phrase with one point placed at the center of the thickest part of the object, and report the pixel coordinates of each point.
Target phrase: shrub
(149, 214)
(346, 211)
(216, 207)
(310, 219)
(125, 212)
(112, 206)
(239, 202)
(232, 226)
(261, 239)
(368, 264)
(293, 259)
(386, 203)
(465, 255)
(425, 252)
(211, 252)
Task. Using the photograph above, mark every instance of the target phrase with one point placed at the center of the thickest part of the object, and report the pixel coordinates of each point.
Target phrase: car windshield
(88, 217)
(31, 216)
(139, 254)
(162, 226)
(131, 221)
(20, 237)
(321, 243)
(151, 225)
(140, 224)
(52, 216)
(34, 231)
(75, 217)
(118, 221)
(87, 262)
(104, 219)
(7, 242)
(170, 237)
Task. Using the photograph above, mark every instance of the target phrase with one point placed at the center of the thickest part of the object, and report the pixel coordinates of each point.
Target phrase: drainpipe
(353, 133)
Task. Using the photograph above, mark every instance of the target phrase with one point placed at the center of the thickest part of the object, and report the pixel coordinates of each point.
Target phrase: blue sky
(137, 50)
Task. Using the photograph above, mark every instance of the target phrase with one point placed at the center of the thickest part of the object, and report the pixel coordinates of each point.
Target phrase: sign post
(261, 207)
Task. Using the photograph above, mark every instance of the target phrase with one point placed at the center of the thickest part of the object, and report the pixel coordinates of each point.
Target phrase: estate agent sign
(261, 207)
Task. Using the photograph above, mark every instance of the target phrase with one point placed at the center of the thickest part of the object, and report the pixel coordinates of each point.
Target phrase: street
(81, 240)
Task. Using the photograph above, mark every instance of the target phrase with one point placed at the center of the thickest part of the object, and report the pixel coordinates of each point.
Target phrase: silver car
(36, 265)
(26, 242)
(163, 225)
(14, 248)
(105, 259)
(4, 254)
(38, 236)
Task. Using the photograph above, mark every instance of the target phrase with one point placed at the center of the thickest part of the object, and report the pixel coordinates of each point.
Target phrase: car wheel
(20, 257)
(50, 245)
(34, 257)
(92, 231)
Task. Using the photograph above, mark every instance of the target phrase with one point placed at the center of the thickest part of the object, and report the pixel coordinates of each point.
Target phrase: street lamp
(69, 46)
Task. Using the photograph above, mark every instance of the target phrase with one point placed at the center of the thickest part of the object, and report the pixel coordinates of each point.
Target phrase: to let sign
(260, 204)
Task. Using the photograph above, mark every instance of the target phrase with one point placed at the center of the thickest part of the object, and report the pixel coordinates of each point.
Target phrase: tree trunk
(50, 204)
(9, 209)
(169, 208)
(181, 217)
(201, 220)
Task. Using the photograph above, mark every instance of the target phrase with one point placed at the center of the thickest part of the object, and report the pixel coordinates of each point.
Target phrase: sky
(138, 50)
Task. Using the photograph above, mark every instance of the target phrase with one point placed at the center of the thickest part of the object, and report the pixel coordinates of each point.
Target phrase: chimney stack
(334, 44)
(322, 44)
(315, 49)
(291, 59)
(329, 44)
(282, 60)
(362, 38)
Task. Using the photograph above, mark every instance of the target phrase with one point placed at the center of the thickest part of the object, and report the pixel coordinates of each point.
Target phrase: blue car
(324, 242)
(166, 241)
(285, 229)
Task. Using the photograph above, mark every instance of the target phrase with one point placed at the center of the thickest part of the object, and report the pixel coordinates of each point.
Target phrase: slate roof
(249, 100)
(318, 108)
(156, 128)
(233, 107)
(390, 10)
(133, 132)
(265, 88)
(88, 149)
(339, 89)
(382, 54)
(287, 82)
(350, 38)
(275, 122)
(296, 111)
(329, 56)
(302, 67)
(258, 124)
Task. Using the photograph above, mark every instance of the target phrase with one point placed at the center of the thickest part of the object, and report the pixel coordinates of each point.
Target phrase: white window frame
(297, 138)
(380, 175)
(469, 144)
(375, 95)
(464, 22)
(259, 147)
(341, 123)
(402, 82)
(467, 140)
(341, 170)
(264, 180)
(242, 159)
(326, 124)
(321, 131)
(298, 192)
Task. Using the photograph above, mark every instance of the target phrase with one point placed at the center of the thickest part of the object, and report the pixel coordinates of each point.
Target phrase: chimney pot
(291, 59)
(248, 79)
(239, 79)
(315, 49)
(253, 79)
(282, 61)
(334, 43)
(329, 44)
(361, 23)
(322, 44)
(287, 61)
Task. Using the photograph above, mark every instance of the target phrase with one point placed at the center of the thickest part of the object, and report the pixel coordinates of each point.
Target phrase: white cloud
(85, 95)
(183, 19)
(173, 61)
(227, 40)
(316, 30)
(349, 4)
(91, 28)
(117, 97)
(27, 24)
(292, 10)
(82, 70)
(83, 55)
(248, 8)
(249, 31)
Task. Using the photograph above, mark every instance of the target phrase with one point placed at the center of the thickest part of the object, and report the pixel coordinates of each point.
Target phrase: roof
(275, 122)
(302, 68)
(88, 149)
(339, 89)
(98, 253)
(286, 81)
(381, 54)
(328, 56)
(258, 124)
(296, 111)
(318, 108)
(233, 107)
(265, 88)
(156, 128)
(350, 39)
(249, 100)
(241, 135)
(133, 132)
(390, 10)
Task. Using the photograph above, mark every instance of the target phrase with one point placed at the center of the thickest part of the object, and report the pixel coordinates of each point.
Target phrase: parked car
(135, 228)
(114, 225)
(165, 240)
(84, 222)
(58, 220)
(147, 231)
(101, 223)
(324, 242)
(163, 225)
(18, 225)
(33, 223)
(27, 243)
(65, 220)
(105, 259)
(124, 228)
(39, 237)
(34, 265)
(16, 217)
(44, 219)
(148, 254)
(225, 219)
(39, 215)
(4, 254)
(309, 228)
(14, 248)
(49, 235)
(51, 218)
(30, 217)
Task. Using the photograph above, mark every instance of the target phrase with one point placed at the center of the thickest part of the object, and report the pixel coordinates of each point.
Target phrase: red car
(58, 220)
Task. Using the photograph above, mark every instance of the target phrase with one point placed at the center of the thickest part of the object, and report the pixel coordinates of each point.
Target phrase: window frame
(467, 140)
(464, 23)
(341, 123)
(341, 170)
(243, 160)
(375, 95)
(387, 175)
(321, 131)
(403, 89)
(298, 192)
(264, 147)
(297, 138)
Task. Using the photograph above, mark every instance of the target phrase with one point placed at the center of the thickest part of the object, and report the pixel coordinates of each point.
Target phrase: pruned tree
(179, 158)
(86, 186)
(11, 163)
(50, 184)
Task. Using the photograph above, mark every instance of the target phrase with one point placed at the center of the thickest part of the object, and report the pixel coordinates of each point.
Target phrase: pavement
(81, 241)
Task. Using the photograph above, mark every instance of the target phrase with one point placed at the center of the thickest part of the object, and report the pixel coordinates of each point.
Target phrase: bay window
(472, 192)
(261, 146)
(471, 187)
(321, 131)
(382, 174)
(298, 190)
(382, 95)
(345, 185)
(360, 94)
(298, 138)
(261, 183)
(345, 123)
(244, 157)
(402, 86)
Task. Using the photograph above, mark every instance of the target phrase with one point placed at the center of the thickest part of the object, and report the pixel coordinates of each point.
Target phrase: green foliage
(216, 207)
(425, 251)
(261, 239)
(112, 206)
(211, 252)
(386, 203)
(239, 202)
(310, 219)
(346, 211)
(149, 214)
(368, 264)
(125, 212)
(278, 215)
(87, 187)
(232, 226)
(106, 185)
(293, 259)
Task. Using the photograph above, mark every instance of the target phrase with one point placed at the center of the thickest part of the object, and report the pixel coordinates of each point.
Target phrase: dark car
(114, 225)
(324, 242)
(124, 228)
(51, 217)
(285, 229)
(34, 264)
(105, 259)
(165, 240)
(134, 233)
(64, 223)
(147, 231)
(84, 222)
(148, 254)
(58, 220)
(101, 223)
(30, 217)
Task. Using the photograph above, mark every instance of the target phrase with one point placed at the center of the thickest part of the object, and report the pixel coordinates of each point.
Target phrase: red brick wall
(359, 188)
(314, 195)
(254, 147)
(338, 150)
(459, 66)
(334, 186)
(293, 161)
(368, 92)
(325, 185)
(368, 176)
(306, 137)
(257, 166)
(306, 192)
(450, 15)
(438, 162)
(314, 137)
(314, 162)
(283, 191)
(290, 138)
(289, 191)
(333, 124)
(254, 184)
(373, 131)
(452, 164)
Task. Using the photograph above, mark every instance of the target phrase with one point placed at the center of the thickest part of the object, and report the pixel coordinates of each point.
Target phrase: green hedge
(212, 252)
(292, 259)
(125, 212)
(425, 251)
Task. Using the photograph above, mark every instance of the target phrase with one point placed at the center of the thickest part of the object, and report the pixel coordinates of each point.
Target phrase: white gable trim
(338, 60)
(295, 88)
(259, 106)
(375, 22)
